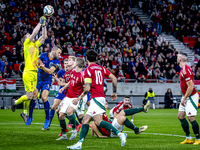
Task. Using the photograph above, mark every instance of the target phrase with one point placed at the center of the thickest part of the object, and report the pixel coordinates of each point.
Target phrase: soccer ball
(48, 10)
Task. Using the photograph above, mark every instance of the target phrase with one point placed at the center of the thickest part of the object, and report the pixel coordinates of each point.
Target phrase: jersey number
(99, 77)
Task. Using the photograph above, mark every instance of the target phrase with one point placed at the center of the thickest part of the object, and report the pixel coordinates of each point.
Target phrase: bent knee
(44, 98)
(62, 116)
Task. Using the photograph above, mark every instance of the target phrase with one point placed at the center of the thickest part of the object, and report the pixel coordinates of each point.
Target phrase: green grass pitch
(164, 132)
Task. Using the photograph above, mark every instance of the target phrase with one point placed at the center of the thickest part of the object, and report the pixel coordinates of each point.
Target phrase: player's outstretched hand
(183, 101)
(75, 101)
(43, 20)
(61, 90)
(114, 96)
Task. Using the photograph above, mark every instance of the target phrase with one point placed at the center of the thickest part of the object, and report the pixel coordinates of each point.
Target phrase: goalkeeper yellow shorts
(30, 80)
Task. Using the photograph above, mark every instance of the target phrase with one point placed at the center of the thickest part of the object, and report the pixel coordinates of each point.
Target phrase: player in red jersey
(189, 101)
(67, 107)
(119, 121)
(125, 104)
(94, 82)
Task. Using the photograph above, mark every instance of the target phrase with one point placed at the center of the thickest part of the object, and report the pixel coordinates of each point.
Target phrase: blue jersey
(48, 62)
(61, 74)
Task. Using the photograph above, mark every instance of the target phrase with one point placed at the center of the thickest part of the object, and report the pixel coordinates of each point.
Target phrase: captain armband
(88, 80)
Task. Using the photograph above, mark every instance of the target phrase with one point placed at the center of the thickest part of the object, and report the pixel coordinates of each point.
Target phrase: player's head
(91, 55)
(80, 63)
(26, 36)
(56, 51)
(66, 63)
(126, 100)
(182, 58)
(71, 61)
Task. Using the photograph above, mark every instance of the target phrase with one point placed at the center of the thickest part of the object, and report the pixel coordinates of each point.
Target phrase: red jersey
(76, 84)
(120, 106)
(103, 131)
(67, 77)
(185, 76)
(97, 74)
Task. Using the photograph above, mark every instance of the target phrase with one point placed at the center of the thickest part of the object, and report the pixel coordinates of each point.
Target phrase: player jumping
(94, 79)
(49, 64)
(31, 54)
(189, 101)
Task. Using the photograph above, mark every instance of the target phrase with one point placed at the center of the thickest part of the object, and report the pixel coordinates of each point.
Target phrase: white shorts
(189, 109)
(81, 107)
(117, 126)
(95, 109)
(111, 113)
(66, 103)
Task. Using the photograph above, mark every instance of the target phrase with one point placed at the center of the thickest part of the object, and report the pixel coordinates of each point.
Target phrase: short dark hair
(80, 62)
(127, 96)
(91, 55)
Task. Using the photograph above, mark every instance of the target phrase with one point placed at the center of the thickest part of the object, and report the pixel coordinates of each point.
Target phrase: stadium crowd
(126, 45)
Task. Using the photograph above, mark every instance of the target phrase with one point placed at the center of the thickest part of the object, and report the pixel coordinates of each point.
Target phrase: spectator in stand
(195, 59)
(69, 49)
(14, 40)
(197, 77)
(135, 30)
(2, 6)
(2, 63)
(13, 59)
(6, 70)
(7, 53)
(197, 45)
(168, 98)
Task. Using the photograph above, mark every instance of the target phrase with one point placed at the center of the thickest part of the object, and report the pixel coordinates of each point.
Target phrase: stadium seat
(16, 67)
(185, 40)
(192, 38)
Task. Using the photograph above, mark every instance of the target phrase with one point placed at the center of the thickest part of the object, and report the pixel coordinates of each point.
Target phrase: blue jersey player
(49, 63)
(68, 65)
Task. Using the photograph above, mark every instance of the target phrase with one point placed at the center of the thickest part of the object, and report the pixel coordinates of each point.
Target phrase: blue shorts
(88, 96)
(60, 96)
(43, 85)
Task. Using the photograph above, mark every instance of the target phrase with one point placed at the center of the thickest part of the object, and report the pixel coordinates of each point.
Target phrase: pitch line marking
(123, 131)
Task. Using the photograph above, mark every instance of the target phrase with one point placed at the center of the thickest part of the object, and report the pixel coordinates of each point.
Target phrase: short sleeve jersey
(31, 60)
(45, 58)
(185, 76)
(76, 84)
(120, 106)
(96, 75)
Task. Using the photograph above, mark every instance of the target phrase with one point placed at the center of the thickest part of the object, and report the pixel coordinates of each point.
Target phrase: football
(48, 10)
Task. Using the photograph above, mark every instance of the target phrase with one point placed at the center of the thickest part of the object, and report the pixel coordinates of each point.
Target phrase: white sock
(188, 137)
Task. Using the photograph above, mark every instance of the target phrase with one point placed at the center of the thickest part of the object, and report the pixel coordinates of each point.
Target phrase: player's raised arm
(37, 28)
(114, 83)
(44, 34)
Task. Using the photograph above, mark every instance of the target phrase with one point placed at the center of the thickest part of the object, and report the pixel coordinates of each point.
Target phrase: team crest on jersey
(77, 79)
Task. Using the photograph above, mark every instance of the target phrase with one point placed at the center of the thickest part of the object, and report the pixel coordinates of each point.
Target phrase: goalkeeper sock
(132, 111)
(46, 108)
(185, 126)
(21, 100)
(109, 127)
(31, 108)
(72, 119)
(84, 131)
(63, 126)
(130, 125)
(51, 115)
(195, 127)
(26, 106)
